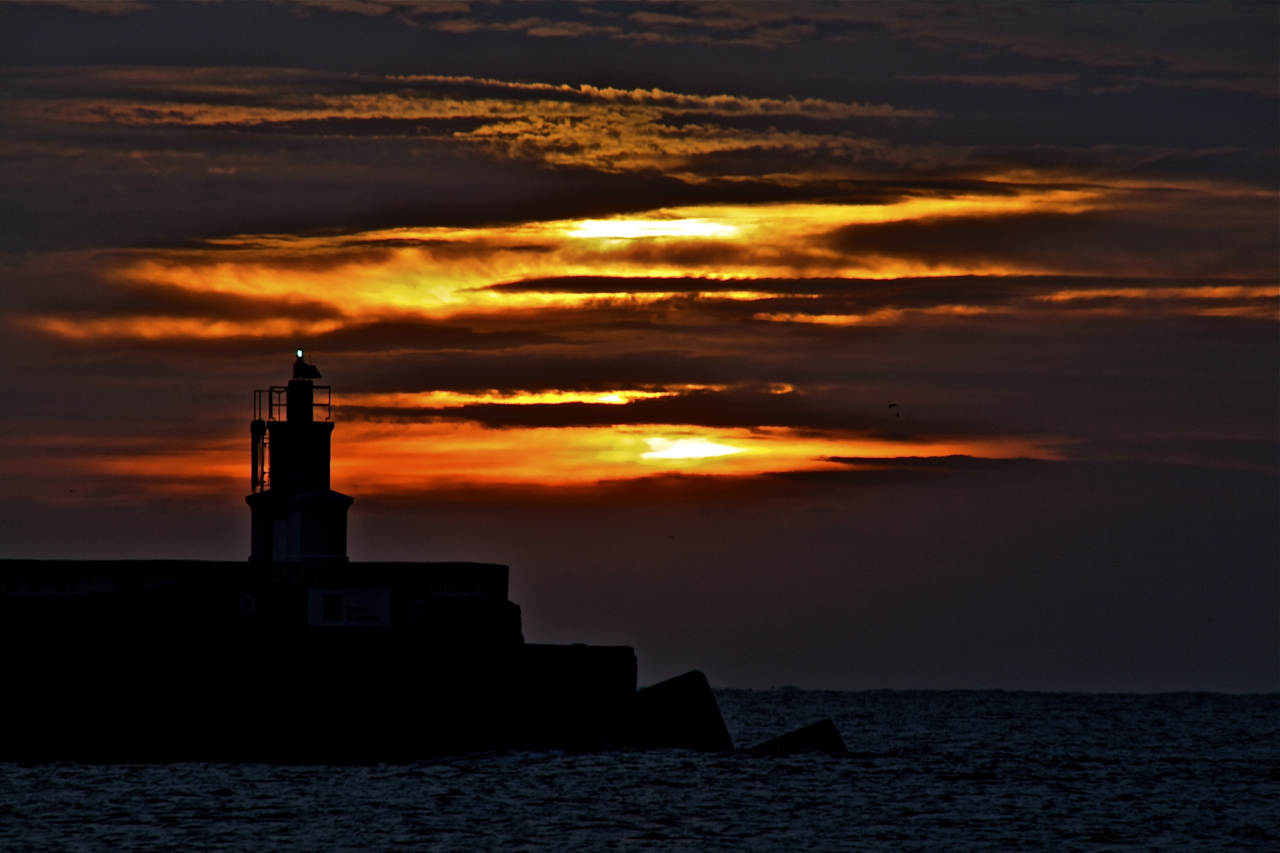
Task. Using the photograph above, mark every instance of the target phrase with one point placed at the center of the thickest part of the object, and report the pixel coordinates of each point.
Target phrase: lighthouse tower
(297, 518)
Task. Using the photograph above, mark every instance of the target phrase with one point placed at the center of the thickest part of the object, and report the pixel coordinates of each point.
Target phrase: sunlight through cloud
(686, 448)
(629, 229)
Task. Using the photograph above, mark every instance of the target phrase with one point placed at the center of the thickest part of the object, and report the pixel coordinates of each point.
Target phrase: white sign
(349, 608)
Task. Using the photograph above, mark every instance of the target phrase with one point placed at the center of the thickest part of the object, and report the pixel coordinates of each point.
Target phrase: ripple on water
(927, 770)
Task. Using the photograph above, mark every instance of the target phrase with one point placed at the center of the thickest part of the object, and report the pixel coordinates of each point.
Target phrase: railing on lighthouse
(272, 404)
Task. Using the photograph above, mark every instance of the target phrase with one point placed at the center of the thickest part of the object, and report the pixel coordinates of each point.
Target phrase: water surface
(926, 771)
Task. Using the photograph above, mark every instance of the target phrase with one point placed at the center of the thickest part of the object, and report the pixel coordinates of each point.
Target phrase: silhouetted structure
(297, 518)
(299, 654)
(679, 712)
(821, 736)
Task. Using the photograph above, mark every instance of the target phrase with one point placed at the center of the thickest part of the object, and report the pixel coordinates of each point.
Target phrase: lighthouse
(403, 659)
(297, 518)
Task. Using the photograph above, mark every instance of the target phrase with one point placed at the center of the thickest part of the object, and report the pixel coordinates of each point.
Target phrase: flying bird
(893, 405)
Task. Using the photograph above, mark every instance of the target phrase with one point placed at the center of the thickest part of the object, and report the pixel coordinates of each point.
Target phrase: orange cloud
(884, 316)
(458, 399)
(373, 459)
(171, 328)
(445, 272)
(441, 274)
(1207, 292)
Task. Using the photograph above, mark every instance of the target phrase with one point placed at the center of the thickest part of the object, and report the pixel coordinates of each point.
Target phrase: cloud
(418, 458)
(1186, 39)
(359, 7)
(248, 95)
(813, 408)
(1132, 232)
(95, 7)
(1190, 38)
(713, 266)
(1192, 44)
(1125, 83)
(588, 239)
(1036, 82)
(602, 128)
(256, 145)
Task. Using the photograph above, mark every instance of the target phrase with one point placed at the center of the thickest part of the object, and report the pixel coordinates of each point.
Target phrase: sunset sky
(843, 345)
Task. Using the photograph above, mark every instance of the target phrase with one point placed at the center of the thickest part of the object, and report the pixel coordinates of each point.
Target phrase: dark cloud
(422, 337)
(181, 302)
(730, 409)
(931, 464)
(1170, 242)
(844, 296)
(354, 338)
(549, 369)
(971, 238)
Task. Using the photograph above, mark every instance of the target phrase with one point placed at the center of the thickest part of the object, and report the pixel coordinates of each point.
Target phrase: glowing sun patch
(687, 448)
(630, 229)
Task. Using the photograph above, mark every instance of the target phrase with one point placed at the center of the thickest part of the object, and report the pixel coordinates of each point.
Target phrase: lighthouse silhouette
(297, 518)
(300, 655)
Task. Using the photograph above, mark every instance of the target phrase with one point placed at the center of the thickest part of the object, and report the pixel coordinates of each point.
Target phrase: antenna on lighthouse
(303, 370)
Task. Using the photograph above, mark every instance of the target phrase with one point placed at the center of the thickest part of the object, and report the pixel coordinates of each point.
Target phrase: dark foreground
(927, 771)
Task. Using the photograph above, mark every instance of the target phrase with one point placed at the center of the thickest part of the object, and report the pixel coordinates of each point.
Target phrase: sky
(850, 346)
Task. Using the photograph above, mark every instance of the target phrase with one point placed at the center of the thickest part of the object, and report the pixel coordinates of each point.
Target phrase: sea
(925, 771)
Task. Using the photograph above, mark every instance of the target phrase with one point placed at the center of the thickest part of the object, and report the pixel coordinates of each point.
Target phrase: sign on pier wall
(350, 608)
